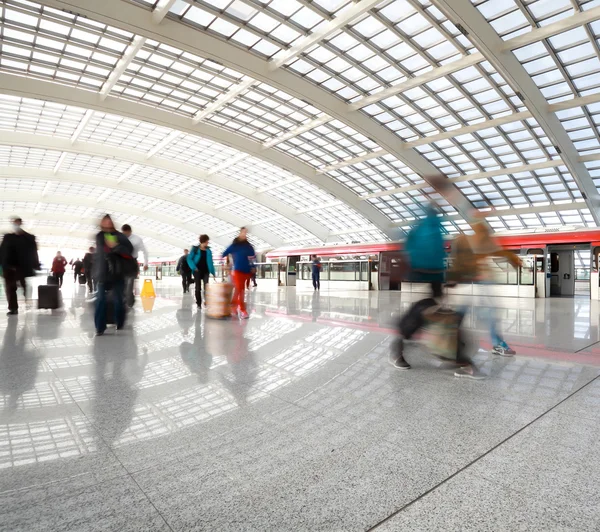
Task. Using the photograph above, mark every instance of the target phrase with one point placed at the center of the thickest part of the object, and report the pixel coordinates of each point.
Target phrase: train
(556, 263)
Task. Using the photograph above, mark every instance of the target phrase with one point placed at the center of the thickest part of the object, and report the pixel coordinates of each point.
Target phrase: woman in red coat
(58, 267)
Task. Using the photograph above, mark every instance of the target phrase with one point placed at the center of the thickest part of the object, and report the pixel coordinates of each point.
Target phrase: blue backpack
(424, 249)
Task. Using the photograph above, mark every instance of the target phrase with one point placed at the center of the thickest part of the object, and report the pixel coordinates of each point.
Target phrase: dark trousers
(129, 295)
(186, 280)
(12, 279)
(59, 276)
(316, 279)
(200, 279)
(117, 295)
(90, 282)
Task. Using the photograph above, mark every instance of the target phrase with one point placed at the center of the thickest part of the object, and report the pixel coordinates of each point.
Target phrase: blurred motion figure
(19, 260)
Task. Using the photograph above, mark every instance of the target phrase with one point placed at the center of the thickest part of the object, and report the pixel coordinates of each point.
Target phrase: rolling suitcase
(52, 281)
(218, 300)
(81, 279)
(48, 297)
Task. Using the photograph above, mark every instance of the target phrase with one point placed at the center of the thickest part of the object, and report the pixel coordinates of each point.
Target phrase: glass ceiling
(328, 141)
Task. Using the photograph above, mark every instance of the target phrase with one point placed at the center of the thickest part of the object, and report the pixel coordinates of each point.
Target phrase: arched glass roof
(311, 121)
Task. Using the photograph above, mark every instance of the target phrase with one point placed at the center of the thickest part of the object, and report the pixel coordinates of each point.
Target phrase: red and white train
(555, 263)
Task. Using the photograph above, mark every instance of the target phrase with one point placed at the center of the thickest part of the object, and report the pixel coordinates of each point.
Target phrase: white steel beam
(473, 128)
(224, 99)
(82, 125)
(162, 144)
(553, 163)
(555, 207)
(61, 160)
(41, 230)
(25, 87)
(227, 163)
(129, 172)
(311, 124)
(568, 23)
(282, 183)
(120, 214)
(153, 193)
(483, 35)
(319, 207)
(581, 101)
(122, 64)
(130, 17)
(346, 16)
(161, 10)
(417, 81)
(534, 35)
(355, 160)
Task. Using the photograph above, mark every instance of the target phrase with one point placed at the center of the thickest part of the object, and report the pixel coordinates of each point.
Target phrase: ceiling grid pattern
(388, 92)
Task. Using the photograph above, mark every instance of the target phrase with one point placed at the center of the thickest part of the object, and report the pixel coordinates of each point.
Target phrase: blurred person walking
(133, 269)
(77, 269)
(183, 269)
(58, 268)
(88, 267)
(19, 260)
(316, 272)
(200, 262)
(424, 251)
(243, 255)
(113, 250)
(472, 259)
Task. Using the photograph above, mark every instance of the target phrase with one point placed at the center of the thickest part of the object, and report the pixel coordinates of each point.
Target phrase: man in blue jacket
(200, 261)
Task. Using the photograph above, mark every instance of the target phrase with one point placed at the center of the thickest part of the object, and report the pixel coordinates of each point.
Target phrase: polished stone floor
(294, 420)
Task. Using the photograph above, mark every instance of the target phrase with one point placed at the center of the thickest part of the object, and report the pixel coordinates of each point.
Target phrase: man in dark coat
(19, 260)
(113, 249)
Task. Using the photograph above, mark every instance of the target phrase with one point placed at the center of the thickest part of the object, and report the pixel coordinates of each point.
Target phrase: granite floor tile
(71, 506)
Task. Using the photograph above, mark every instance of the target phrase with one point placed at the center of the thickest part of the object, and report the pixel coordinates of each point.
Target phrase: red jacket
(58, 265)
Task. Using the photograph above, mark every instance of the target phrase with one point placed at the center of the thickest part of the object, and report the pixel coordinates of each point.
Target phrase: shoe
(469, 373)
(396, 357)
(503, 351)
(12, 312)
(99, 333)
(244, 315)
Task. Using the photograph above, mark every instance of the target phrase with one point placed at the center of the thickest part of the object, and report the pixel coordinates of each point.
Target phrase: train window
(595, 254)
(554, 263)
(536, 251)
(539, 264)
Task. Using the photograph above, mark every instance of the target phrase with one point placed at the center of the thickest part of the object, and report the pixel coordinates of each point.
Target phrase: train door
(291, 270)
(561, 278)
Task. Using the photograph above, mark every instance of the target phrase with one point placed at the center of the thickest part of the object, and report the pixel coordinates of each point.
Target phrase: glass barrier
(528, 271)
(337, 271)
(268, 270)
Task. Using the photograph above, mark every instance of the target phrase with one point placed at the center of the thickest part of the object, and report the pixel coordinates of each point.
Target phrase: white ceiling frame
(505, 62)
(568, 23)
(161, 10)
(417, 81)
(153, 193)
(355, 160)
(32, 88)
(133, 18)
(555, 207)
(227, 163)
(58, 232)
(534, 35)
(307, 126)
(82, 125)
(122, 211)
(352, 12)
(224, 99)
(553, 163)
(122, 64)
